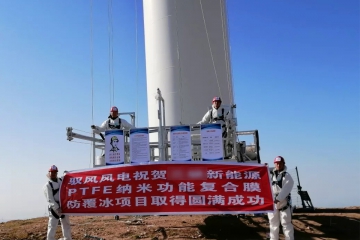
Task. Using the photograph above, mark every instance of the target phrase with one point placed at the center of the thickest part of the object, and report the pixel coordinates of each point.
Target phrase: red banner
(168, 188)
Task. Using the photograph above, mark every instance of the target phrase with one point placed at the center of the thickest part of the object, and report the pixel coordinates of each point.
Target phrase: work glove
(59, 212)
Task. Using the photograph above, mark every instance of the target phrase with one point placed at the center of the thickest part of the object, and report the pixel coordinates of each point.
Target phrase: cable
(111, 93)
(92, 72)
(112, 53)
(211, 53)
(226, 49)
(137, 66)
(179, 63)
(92, 61)
(229, 54)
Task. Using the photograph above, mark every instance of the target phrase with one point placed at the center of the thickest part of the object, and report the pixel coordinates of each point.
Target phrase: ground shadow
(327, 210)
(337, 227)
(230, 227)
(306, 226)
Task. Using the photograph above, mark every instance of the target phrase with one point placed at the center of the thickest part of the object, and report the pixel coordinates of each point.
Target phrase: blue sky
(295, 70)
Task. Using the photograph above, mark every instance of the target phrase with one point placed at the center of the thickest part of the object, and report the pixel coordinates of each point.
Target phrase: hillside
(327, 224)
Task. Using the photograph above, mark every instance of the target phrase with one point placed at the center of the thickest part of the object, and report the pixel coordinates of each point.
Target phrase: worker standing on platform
(113, 122)
(216, 114)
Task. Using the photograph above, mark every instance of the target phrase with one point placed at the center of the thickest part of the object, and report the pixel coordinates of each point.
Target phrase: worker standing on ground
(51, 191)
(282, 184)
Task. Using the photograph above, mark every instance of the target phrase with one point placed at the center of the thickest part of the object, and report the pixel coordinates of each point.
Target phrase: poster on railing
(180, 138)
(211, 142)
(114, 147)
(168, 188)
(139, 145)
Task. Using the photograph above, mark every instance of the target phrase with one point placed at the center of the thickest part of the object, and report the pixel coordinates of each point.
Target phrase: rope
(228, 73)
(229, 52)
(92, 72)
(92, 61)
(179, 63)
(211, 53)
(137, 65)
(109, 51)
(111, 87)
(112, 55)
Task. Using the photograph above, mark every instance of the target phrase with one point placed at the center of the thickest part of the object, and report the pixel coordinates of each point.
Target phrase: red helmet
(216, 99)
(53, 168)
(114, 109)
(279, 159)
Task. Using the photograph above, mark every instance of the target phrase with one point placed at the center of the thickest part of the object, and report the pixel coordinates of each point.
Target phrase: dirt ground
(323, 224)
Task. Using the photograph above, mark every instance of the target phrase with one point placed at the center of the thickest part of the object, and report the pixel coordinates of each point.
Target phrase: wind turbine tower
(187, 57)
